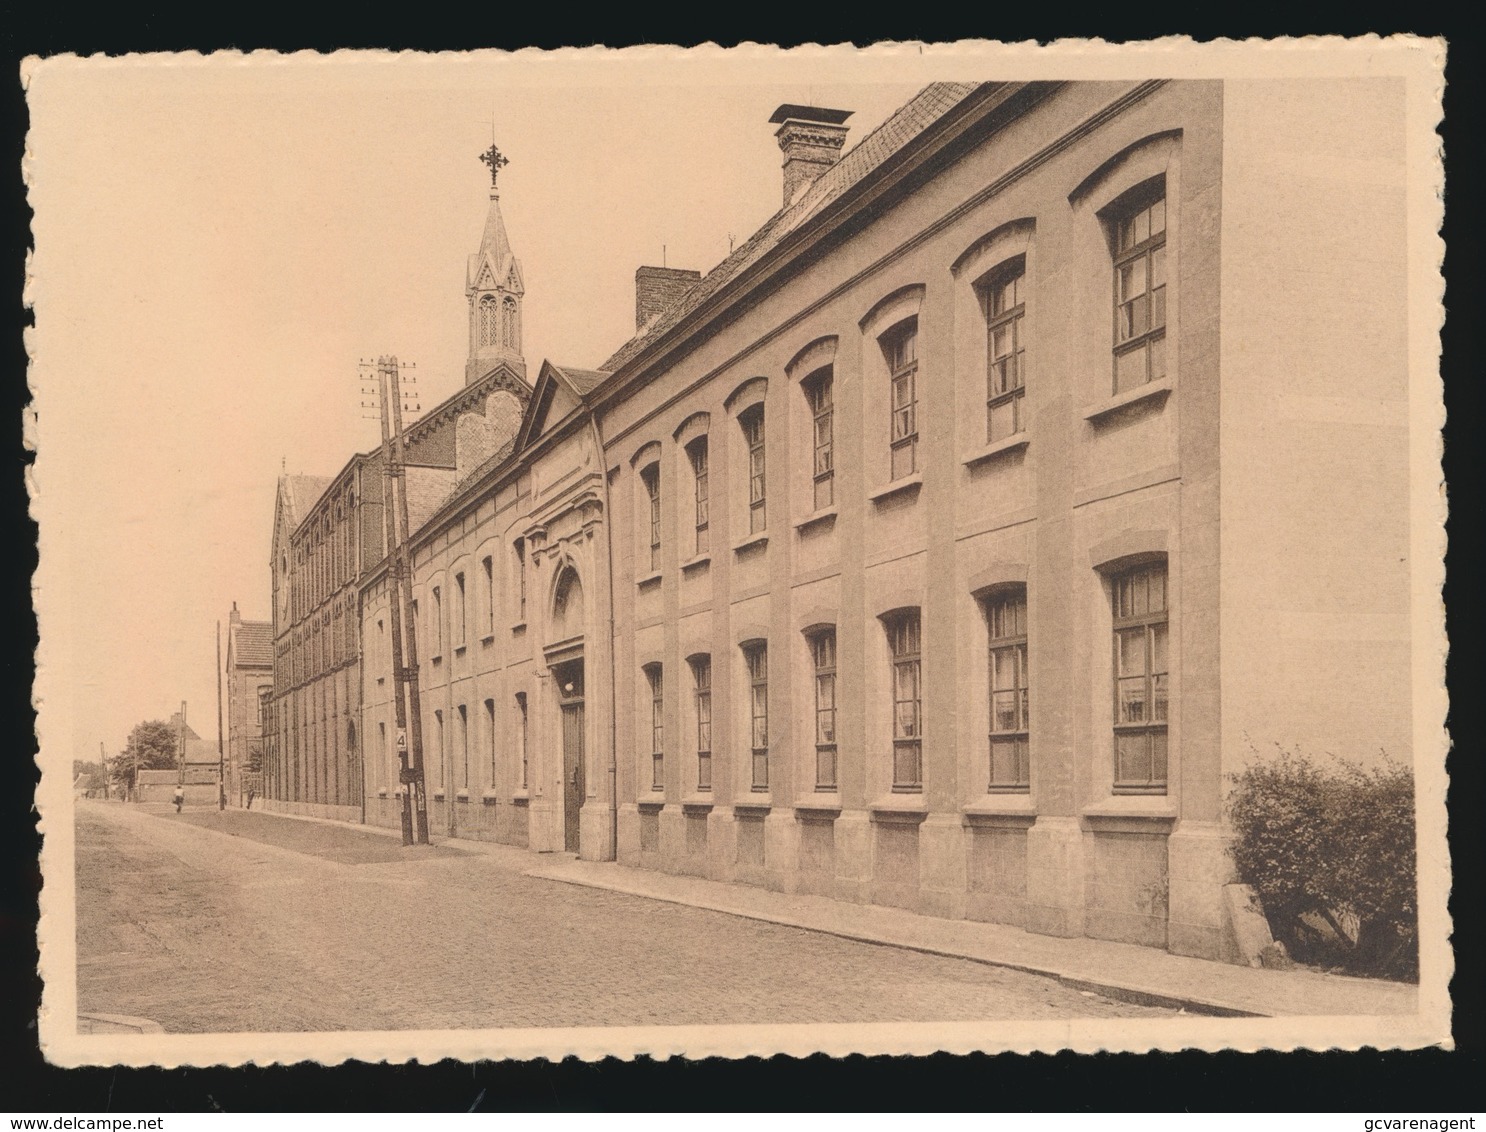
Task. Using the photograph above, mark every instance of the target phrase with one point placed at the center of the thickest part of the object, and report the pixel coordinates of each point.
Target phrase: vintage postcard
(727, 552)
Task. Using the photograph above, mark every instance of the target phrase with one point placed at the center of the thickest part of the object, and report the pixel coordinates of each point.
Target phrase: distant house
(201, 771)
(249, 670)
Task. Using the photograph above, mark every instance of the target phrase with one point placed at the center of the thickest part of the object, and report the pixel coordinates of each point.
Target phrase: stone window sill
(897, 487)
(1132, 813)
(381, 680)
(462, 796)
(760, 801)
(825, 516)
(647, 580)
(697, 803)
(752, 542)
(521, 797)
(1000, 809)
(490, 798)
(381, 791)
(818, 804)
(438, 795)
(459, 650)
(902, 809)
(653, 804)
(489, 639)
(999, 448)
(1154, 392)
(695, 563)
(436, 659)
(519, 627)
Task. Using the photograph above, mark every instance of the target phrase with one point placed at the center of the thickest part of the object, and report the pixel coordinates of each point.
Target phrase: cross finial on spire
(494, 158)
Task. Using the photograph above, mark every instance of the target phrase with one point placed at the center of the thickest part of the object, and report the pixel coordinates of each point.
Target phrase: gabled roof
(252, 644)
(302, 493)
(906, 123)
(559, 389)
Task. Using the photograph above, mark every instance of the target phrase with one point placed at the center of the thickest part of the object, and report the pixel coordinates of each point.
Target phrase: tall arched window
(510, 330)
(487, 321)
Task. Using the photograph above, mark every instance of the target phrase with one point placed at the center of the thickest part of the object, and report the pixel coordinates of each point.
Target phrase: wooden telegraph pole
(221, 758)
(407, 709)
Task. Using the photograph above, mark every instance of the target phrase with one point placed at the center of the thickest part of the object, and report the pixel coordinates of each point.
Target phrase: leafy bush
(1329, 848)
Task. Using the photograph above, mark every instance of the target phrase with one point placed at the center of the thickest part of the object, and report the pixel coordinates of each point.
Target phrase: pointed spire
(494, 288)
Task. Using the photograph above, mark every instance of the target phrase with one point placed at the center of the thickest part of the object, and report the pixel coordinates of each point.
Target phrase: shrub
(1329, 849)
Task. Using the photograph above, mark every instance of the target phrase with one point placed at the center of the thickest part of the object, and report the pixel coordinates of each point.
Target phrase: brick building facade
(249, 675)
(950, 543)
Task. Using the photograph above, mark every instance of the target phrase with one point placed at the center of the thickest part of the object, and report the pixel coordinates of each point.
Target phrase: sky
(220, 240)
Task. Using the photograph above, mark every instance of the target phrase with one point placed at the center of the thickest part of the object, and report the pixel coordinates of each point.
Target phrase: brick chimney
(658, 288)
(234, 618)
(811, 138)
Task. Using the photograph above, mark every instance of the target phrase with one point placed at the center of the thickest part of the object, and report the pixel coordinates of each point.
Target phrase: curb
(1120, 992)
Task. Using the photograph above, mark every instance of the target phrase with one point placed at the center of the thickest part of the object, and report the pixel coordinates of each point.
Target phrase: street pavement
(243, 922)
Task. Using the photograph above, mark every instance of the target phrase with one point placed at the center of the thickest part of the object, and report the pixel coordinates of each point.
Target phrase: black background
(1417, 1081)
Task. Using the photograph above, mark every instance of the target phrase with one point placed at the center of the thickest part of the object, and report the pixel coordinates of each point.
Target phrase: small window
(696, 452)
(487, 321)
(819, 393)
(510, 329)
(438, 621)
(1005, 303)
(1006, 620)
(490, 734)
(655, 678)
(701, 674)
(520, 580)
(488, 564)
(903, 646)
(438, 730)
(752, 420)
(757, 657)
(459, 609)
(900, 347)
(650, 477)
(823, 657)
(521, 734)
(464, 745)
(1140, 680)
(1140, 291)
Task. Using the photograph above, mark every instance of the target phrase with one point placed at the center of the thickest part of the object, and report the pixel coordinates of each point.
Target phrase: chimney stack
(811, 138)
(234, 618)
(659, 288)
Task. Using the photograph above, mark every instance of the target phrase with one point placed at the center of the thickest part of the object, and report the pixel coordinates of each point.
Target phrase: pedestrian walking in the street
(179, 798)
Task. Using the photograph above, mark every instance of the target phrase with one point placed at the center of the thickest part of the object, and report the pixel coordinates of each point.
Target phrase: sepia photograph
(739, 551)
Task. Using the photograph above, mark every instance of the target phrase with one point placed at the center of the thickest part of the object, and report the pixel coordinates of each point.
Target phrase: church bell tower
(494, 289)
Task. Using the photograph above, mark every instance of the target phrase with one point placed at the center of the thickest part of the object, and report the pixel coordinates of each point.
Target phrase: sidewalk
(1123, 971)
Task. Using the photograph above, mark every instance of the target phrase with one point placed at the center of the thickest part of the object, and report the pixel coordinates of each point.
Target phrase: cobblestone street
(207, 922)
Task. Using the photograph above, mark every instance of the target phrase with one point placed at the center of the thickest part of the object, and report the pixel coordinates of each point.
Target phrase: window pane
(1130, 369)
(1132, 759)
(1158, 687)
(906, 765)
(1158, 267)
(1158, 308)
(1132, 279)
(1005, 711)
(1130, 652)
(904, 457)
(824, 493)
(1157, 349)
(1005, 419)
(1158, 217)
(1132, 700)
(1158, 648)
(825, 768)
(1158, 757)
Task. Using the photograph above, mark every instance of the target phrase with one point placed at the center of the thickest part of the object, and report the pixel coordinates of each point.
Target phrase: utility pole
(394, 590)
(409, 715)
(221, 759)
(180, 752)
(103, 768)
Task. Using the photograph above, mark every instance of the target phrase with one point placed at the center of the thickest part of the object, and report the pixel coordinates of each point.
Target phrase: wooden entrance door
(572, 772)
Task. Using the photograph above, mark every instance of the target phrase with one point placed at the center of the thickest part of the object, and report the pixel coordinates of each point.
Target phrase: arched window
(567, 604)
(510, 331)
(487, 321)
